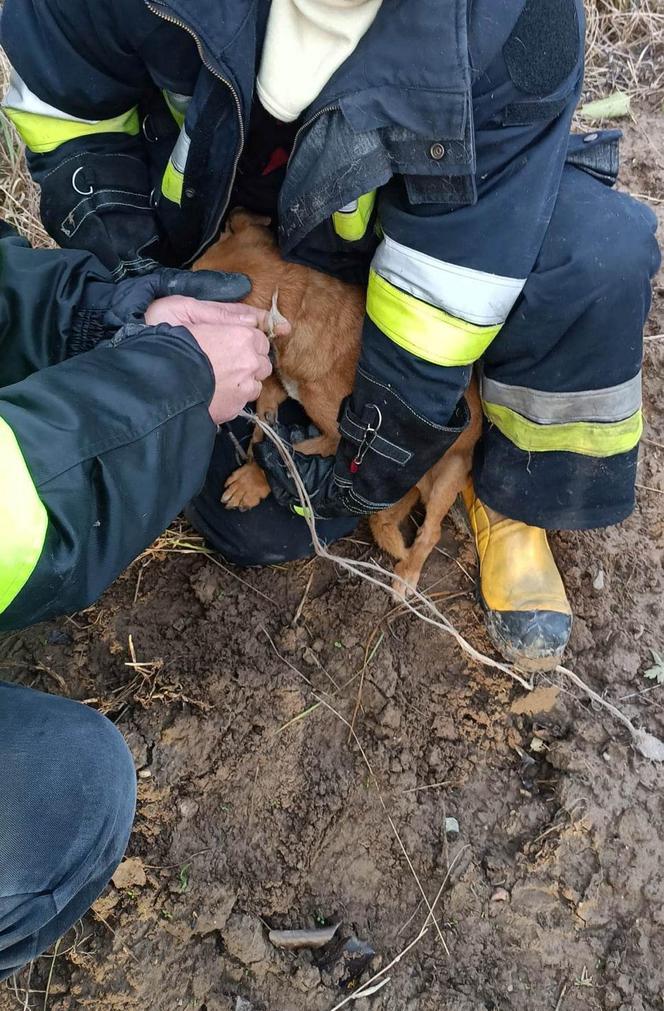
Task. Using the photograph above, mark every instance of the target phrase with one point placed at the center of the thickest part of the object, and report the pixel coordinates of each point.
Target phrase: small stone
(144, 774)
(537, 744)
(598, 581)
(242, 1004)
(187, 807)
(130, 872)
(500, 895)
(451, 826)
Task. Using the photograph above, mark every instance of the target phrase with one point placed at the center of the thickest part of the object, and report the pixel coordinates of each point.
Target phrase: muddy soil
(256, 811)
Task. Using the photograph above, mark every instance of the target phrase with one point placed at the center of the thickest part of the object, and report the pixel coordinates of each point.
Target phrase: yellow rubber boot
(528, 616)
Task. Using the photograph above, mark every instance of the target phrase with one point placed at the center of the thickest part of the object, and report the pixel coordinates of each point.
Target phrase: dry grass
(19, 197)
(625, 49)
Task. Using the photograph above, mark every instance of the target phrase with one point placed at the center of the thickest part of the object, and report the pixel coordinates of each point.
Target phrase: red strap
(278, 158)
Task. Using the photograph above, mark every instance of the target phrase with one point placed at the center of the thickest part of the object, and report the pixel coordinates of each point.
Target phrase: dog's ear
(239, 219)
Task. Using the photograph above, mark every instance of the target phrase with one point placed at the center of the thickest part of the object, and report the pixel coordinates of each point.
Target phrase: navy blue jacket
(436, 149)
(401, 106)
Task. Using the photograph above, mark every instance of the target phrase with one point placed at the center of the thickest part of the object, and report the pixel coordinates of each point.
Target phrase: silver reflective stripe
(349, 208)
(20, 97)
(181, 151)
(613, 403)
(471, 295)
(179, 102)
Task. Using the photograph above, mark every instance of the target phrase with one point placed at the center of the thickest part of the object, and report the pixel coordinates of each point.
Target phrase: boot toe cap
(531, 640)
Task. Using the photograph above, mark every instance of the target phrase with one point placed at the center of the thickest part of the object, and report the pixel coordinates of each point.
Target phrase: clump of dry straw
(625, 50)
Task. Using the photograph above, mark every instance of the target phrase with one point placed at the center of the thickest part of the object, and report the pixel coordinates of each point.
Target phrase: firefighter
(423, 148)
(110, 396)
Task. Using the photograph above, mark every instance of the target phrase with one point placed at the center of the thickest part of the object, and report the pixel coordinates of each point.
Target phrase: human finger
(264, 368)
(261, 343)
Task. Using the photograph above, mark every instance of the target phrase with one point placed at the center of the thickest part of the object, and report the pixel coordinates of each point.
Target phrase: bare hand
(232, 335)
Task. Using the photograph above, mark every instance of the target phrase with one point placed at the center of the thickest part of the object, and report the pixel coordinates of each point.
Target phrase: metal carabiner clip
(83, 193)
(370, 433)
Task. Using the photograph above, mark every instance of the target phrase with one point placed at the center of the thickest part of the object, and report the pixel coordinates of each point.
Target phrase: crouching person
(110, 398)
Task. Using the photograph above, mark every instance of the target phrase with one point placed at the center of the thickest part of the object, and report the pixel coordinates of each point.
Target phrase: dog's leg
(322, 408)
(320, 445)
(271, 397)
(449, 480)
(385, 525)
(248, 485)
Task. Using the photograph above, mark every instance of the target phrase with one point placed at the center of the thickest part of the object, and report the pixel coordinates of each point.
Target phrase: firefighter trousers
(561, 387)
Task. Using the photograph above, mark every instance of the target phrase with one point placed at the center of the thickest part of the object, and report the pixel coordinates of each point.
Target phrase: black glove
(385, 448)
(106, 306)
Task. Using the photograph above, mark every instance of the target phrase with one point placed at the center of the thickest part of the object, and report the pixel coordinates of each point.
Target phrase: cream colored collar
(305, 42)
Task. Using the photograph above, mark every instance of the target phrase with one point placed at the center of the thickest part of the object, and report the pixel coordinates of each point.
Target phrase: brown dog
(316, 365)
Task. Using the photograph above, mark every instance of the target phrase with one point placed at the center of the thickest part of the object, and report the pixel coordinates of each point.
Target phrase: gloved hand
(106, 306)
(386, 446)
(316, 472)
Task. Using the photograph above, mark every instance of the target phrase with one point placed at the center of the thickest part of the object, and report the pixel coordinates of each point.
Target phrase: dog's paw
(405, 582)
(245, 488)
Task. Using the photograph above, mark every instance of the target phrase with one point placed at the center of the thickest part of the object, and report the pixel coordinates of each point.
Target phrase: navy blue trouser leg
(68, 798)
(570, 351)
(267, 534)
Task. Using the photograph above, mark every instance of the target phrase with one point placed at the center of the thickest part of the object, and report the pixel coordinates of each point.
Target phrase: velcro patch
(544, 46)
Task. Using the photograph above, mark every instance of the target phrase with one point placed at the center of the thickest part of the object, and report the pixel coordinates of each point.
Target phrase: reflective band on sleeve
(23, 519)
(44, 128)
(472, 295)
(178, 105)
(172, 182)
(351, 222)
(583, 437)
(612, 403)
(423, 330)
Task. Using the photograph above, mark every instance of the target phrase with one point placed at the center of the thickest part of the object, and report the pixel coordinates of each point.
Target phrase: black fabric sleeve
(41, 291)
(117, 441)
(82, 58)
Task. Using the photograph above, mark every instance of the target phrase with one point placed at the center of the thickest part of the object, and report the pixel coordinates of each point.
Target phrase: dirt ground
(256, 812)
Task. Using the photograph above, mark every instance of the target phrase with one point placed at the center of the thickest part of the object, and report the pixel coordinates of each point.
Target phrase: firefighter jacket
(85, 441)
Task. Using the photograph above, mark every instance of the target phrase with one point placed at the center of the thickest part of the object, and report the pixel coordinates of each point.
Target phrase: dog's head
(250, 228)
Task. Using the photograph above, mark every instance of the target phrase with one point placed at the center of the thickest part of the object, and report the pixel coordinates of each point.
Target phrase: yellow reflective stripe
(171, 184)
(587, 438)
(351, 224)
(423, 330)
(23, 519)
(45, 133)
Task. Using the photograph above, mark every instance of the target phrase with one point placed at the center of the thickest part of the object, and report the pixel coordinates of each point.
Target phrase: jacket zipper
(312, 119)
(180, 24)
